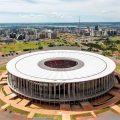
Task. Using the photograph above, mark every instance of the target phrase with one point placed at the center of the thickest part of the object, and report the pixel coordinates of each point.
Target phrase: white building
(61, 75)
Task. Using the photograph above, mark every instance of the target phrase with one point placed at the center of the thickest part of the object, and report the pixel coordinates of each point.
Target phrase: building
(48, 34)
(61, 75)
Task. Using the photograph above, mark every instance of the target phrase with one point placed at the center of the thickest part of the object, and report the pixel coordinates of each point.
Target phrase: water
(82, 25)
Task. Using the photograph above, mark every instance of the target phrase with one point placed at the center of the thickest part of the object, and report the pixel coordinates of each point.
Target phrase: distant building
(21, 37)
(48, 34)
(112, 32)
(9, 41)
(97, 28)
(12, 35)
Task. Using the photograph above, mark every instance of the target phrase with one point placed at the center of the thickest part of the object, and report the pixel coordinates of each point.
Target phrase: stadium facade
(61, 75)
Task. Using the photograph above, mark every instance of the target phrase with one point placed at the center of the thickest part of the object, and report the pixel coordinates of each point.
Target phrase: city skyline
(39, 11)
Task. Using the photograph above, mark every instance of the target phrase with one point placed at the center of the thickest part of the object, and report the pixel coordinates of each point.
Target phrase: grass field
(118, 46)
(73, 117)
(2, 68)
(55, 117)
(1, 102)
(19, 46)
(117, 68)
(115, 38)
(11, 108)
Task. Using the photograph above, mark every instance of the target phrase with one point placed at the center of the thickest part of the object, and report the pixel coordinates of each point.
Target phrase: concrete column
(76, 93)
(27, 92)
(87, 88)
(108, 82)
(83, 89)
(54, 90)
(20, 83)
(73, 89)
(40, 89)
(16, 82)
(104, 83)
(64, 90)
(11, 81)
(59, 90)
(43, 90)
(49, 91)
(31, 86)
(35, 89)
(113, 79)
(95, 86)
(23, 86)
(88, 91)
(68, 90)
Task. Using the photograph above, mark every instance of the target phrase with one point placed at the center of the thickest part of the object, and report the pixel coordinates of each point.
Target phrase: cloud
(29, 1)
(59, 10)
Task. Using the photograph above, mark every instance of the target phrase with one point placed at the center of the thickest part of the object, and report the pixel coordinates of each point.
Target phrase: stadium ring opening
(61, 75)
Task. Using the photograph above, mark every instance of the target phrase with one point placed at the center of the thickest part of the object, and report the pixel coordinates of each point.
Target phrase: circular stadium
(61, 75)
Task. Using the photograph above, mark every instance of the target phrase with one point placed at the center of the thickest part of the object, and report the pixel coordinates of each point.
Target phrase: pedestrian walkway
(7, 89)
(117, 86)
(93, 114)
(66, 117)
(24, 102)
(116, 108)
(5, 106)
(3, 83)
(11, 96)
(31, 114)
(115, 92)
(87, 105)
(3, 76)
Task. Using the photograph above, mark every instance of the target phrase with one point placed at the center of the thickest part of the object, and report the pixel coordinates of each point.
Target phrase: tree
(40, 47)
(51, 45)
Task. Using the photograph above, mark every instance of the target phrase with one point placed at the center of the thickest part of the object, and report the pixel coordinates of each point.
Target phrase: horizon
(54, 22)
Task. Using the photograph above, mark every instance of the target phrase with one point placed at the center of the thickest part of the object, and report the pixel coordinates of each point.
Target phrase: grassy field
(33, 45)
(19, 46)
(11, 108)
(73, 117)
(117, 68)
(2, 68)
(115, 38)
(1, 102)
(118, 46)
(55, 117)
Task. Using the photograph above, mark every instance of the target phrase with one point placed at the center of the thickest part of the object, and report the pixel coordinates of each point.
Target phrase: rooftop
(86, 66)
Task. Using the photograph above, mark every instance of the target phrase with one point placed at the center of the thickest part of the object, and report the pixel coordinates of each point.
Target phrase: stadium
(61, 75)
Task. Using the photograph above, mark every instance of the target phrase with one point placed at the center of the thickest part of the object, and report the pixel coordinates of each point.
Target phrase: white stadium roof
(95, 66)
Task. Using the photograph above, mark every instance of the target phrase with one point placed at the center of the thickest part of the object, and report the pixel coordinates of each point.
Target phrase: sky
(42, 11)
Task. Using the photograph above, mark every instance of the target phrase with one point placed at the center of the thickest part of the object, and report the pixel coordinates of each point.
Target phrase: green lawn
(33, 45)
(19, 46)
(2, 68)
(55, 117)
(73, 117)
(102, 110)
(115, 38)
(11, 108)
(117, 68)
(118, 46)
(1, 102)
